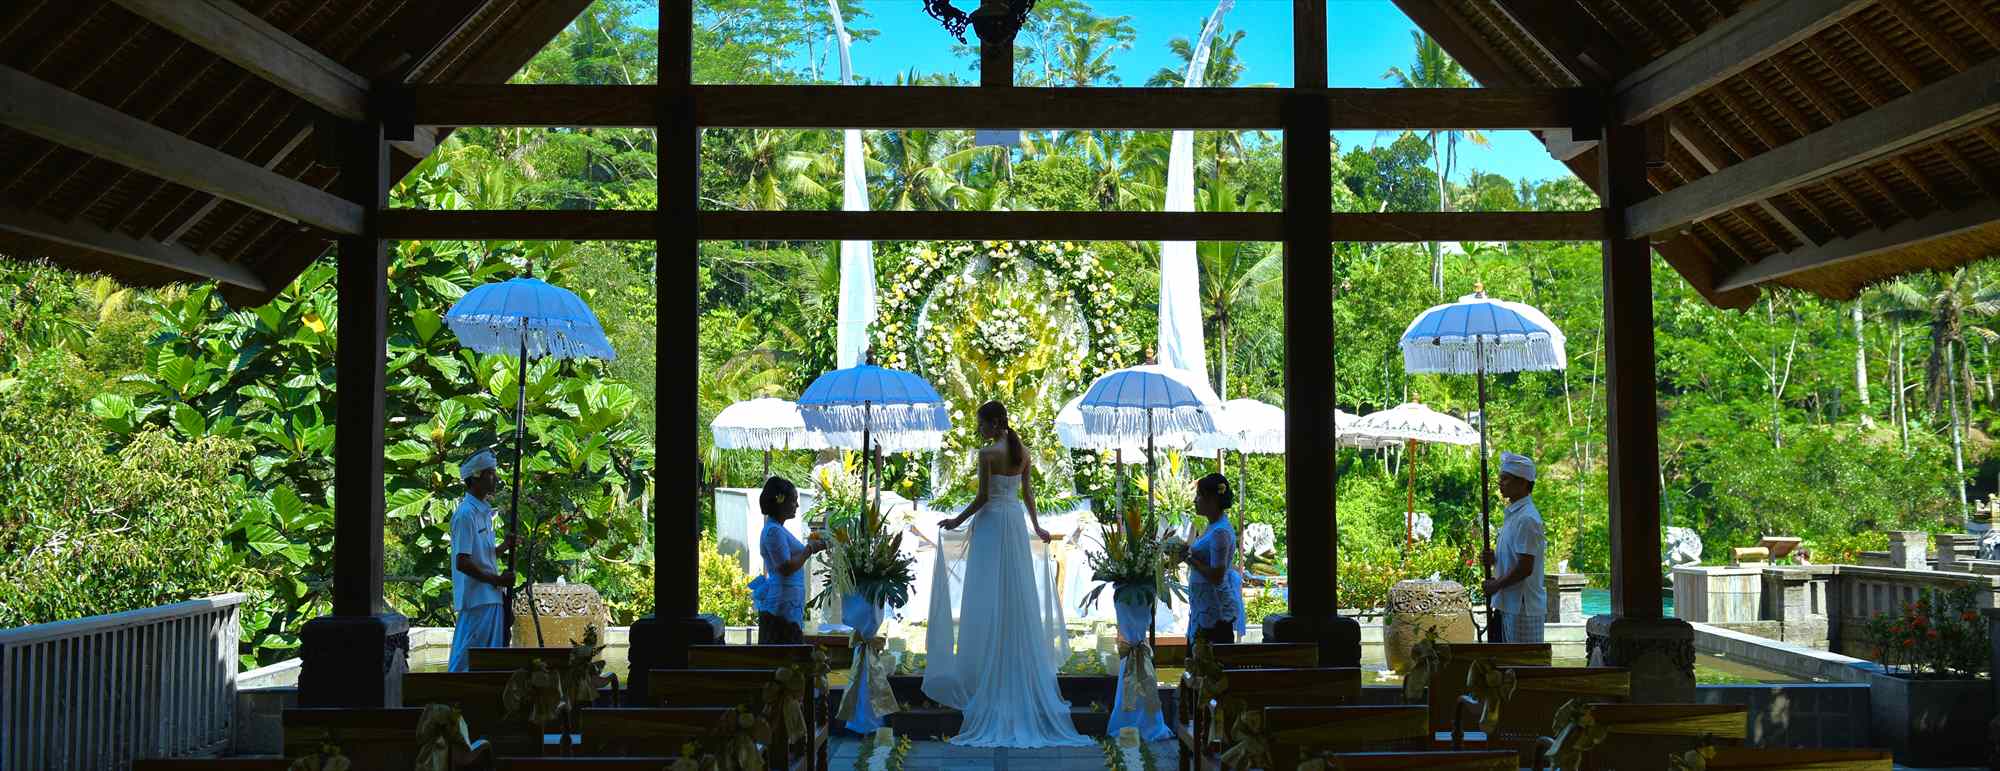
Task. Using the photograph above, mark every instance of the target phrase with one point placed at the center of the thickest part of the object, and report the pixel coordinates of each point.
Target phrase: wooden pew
(1538, 693)
(818, 708)
(742, 688)
(211, 764)
(1448, 683)
(1298, 733)
(584, 764)
(1640, 737)
(510, 659)
(477, 695)
(1748, 759)
(371, 738)
(1190, 723)
(1260, 688)
(1446, 760)
(647, 731)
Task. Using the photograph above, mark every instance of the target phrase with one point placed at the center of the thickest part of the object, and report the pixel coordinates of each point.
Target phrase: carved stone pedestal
(1339, 637)
(1659, 652)
(563, 612)
(658, 643)
(353, 661)
(1417, 605)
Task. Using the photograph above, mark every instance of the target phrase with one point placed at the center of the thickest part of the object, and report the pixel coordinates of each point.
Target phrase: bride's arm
(978, 501)
(1028, 497)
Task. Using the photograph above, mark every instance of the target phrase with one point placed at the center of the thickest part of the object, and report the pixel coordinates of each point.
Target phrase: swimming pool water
(1598, 602)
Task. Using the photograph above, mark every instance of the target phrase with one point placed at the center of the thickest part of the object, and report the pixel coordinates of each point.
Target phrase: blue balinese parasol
(889, 409)
(529, 318)
(1477, 335)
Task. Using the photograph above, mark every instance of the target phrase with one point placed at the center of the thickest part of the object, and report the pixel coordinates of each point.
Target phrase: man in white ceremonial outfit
(1516, 590)
(477, 584)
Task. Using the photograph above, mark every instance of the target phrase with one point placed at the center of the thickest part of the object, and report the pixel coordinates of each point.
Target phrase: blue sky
(1365, 38)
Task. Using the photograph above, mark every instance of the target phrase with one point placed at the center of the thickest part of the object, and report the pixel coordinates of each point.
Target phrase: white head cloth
(1517, 465)
(480, 461)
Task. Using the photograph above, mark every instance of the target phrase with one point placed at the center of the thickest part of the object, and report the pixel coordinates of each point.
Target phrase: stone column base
(1659, 652)
(657, 643)
(353, 661)
(1339, 637)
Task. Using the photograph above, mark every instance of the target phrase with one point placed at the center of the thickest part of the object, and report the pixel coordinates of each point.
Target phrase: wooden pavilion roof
(88, 213)
(1727, 82)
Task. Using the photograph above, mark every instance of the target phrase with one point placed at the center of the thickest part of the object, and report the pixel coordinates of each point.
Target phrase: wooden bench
(478, 697)
(1299, 733)
(1642, 736)
(212, 764)
(1538, 693)
(818, 709)
(1445, 760)
(584, 764)
(1748, 759)
(510, 659)
(1190, 722)
(1448, 683)
(742, 688)
(647, 731)
(370, 738)
(1261, 688)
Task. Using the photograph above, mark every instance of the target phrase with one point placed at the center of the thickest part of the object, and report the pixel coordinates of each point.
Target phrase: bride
(998, 666)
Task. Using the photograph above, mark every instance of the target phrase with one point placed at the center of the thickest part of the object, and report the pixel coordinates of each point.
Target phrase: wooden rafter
(94, 238)
(1928, 31)
(1694, 137)
(1872, 42)
(1801, 126)
(1933, 112)
(1724, 50)
(36, 107)
(227, 30)
(1981, 21)
(1865, 244)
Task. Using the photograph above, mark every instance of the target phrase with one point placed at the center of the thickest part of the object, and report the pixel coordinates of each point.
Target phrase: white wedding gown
(997, 664)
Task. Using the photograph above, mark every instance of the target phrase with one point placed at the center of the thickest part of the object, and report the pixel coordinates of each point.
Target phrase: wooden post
(351, 658)
(1658, 651)
(1310, 517)
(660, 641)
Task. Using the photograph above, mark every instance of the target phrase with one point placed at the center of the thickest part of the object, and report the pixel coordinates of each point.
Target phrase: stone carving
(1420, 527)
(565, 610)
(1683, 547)
(1989, 545)
(1417, 605)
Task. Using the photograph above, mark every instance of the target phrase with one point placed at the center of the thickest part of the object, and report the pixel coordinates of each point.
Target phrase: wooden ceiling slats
(1966, 168)
(1884, 56)
(1734, 105)
(1927, 31)
(1978, 19)
(1801, 126)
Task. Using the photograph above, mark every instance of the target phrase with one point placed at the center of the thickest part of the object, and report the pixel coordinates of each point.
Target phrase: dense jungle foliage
(159, 444)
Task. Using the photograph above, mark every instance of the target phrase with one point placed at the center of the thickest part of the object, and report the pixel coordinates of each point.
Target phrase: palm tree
(1433, 68)
(1224, 67)
(1085, 43)
(1233, 274)
(1947, 304)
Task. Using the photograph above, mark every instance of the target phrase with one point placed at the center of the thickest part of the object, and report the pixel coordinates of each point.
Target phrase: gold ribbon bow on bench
(583, 673)
(534, 693)
(786, 695)
(1577, 732)
(328, 758)
(870, 667)
(1427, 658)
(443, 741)
(1138, 683)
(1210, 683)
(1253, 747)
(1692, 760)
(1492, 687)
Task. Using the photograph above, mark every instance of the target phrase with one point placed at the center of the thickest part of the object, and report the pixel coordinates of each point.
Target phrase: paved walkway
(939, 756)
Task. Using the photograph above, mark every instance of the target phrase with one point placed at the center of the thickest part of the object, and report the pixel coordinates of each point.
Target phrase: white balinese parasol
(1146, 403)
(1249, 427)
(763, 424)
(889, 410)
(1410, 423)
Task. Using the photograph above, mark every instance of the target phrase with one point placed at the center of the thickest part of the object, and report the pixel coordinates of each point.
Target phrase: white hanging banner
(857, 258)
(1180, 334)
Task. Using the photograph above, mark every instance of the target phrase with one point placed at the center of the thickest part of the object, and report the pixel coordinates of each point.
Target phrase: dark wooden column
(355, 657)
(662, 639)
(1311, 532)
(1659, 651)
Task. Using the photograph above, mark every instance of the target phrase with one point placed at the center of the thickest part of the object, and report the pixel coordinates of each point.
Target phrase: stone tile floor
(939, 756)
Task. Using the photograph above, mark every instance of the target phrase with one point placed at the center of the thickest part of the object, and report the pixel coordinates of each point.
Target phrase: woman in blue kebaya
(1215, 588)
(780, 593)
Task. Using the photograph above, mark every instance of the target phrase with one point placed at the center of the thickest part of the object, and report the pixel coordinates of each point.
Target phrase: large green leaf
(426, 322)
(189, 421)
(265, 539)
(407, 502)
(407, 451)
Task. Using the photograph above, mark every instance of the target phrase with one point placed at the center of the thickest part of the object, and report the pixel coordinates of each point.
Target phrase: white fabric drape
(1180, 333)
(857, 258)
(945, 678)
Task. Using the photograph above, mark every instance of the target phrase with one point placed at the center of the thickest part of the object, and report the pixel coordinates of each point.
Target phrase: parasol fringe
(1132, 425)
(561, 338)
(884, 418)
(1460, 355)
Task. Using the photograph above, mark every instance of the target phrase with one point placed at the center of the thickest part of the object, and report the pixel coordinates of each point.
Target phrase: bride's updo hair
(996, 413)
(1216, 485)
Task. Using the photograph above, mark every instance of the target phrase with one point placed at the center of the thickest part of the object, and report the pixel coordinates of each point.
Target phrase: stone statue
(1420, 527)
(1260, 549)
(1989, 545)
(1683, 547)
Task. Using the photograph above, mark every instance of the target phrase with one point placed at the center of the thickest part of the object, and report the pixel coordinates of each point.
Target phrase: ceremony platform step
(1090, 698)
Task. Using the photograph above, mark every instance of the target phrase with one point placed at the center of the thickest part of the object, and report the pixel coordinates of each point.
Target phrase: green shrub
(725, 589)
(1939, 634)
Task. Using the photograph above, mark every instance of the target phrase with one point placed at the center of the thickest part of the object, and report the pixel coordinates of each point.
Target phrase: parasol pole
(1153, 612)
(1485, 488)
(1410, 511)
(867, 458)
(767, 467)
(514, 509)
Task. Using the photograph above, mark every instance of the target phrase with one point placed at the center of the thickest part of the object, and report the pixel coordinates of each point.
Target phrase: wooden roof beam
(88, 236)
(35, 107)
(1865, 244)
(1962, 100)
(1569, 36)
(239, 36)
(1723, 51)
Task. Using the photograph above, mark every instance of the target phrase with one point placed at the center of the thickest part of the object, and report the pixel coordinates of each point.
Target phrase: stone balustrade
(1826, 607)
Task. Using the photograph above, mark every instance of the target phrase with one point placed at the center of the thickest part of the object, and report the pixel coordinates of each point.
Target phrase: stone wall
(1826, 607)
(1818, 715)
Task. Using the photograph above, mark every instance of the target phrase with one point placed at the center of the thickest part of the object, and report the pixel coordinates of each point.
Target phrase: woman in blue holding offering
(1215, 588)
(780, 593)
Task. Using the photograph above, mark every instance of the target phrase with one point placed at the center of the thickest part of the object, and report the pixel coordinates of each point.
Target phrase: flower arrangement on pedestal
(866, 559)
(1137, 562)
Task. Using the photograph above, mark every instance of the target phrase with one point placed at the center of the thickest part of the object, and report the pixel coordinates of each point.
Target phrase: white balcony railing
(99, 692)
